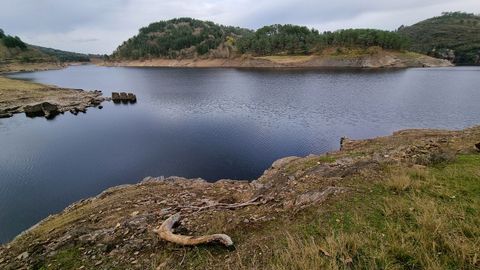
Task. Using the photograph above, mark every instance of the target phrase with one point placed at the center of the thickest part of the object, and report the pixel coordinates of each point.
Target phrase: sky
(99, 26)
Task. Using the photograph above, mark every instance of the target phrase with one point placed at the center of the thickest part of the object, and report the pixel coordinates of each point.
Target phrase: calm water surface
(209, 123)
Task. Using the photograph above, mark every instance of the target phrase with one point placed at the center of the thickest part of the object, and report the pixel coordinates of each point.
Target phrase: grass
(12, 84)
(414, 218)
(305, 165)
(399, 218)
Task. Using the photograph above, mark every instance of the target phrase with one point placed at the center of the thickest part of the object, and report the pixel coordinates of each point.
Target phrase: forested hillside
(292, 39)
(183, 37)
(454, 36)
(14, 50)
(189, 38)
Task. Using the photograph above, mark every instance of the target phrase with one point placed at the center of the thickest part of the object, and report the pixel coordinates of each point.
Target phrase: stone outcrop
(46, 109)
(123, 97)
(46, 101)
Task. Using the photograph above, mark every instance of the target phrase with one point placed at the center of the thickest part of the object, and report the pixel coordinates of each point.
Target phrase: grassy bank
(406, 201)
(407, 218)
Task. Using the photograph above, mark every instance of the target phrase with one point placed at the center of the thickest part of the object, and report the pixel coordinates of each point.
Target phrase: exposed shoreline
(383, 59)
(34, 99)
(109, 228)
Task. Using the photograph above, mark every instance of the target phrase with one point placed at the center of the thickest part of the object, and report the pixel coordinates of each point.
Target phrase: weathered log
(165, 231)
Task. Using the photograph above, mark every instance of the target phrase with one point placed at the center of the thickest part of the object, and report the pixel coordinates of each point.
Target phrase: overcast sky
(99, 26)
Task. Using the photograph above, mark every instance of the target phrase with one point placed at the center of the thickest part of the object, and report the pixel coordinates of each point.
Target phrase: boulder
(50, 110)
(132, 98)
(116, 97)
(123, 97)
(34, 110)
(5, 114)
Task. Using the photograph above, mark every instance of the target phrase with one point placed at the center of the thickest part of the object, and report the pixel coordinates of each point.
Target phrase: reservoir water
(209, 123)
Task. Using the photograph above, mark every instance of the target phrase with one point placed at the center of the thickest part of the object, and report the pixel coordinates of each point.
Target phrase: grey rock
(34, 110)
(23, 256)
(5, 114)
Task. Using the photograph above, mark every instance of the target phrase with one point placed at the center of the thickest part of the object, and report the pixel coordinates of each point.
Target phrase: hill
(194, 43)
(190, 38)
(454, 36)
(16, 55)
(64, 56)
(180, 38)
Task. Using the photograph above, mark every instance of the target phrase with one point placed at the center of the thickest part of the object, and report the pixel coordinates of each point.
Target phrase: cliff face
(295, 198)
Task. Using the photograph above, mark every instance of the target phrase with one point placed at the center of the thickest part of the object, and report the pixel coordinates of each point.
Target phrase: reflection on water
(210, 123)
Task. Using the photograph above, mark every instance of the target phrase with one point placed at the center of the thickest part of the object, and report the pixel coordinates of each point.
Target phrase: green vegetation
(412, 218)
(13, 51)
(292, 39)
(187, 38)
(173, 38)
(64, 56)
(13, 42)
(454, 36)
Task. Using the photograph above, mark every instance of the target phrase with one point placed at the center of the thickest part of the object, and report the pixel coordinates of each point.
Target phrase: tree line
(12, 41)
(292, 39)
(177, 37)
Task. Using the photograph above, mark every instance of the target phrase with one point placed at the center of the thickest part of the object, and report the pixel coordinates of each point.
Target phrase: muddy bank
(384, 59)
(116, 228)
(34, 99)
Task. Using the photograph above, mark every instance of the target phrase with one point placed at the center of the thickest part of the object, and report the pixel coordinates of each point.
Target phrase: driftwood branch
(165, 231)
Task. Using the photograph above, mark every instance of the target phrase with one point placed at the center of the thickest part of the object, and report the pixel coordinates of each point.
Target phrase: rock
(123, 97)
(116, 97)
(343, 142)
(23, 256)
(4, 114)
(478, 146)
(100, 107)
(50, 110)
(132, 98)
(282, 162)
(317, 196)
(46, 109)
(34, 110)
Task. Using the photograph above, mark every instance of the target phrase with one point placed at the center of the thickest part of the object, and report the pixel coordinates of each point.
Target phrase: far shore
(384, 59)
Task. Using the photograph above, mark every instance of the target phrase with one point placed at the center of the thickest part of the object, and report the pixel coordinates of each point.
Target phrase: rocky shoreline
(382, 59)
(116, 228)
(44, 101)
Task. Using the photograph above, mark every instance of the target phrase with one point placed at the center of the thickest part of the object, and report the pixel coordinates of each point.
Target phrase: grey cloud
(98, 26)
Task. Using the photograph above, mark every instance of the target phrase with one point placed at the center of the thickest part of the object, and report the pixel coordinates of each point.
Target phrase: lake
(209, 123)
